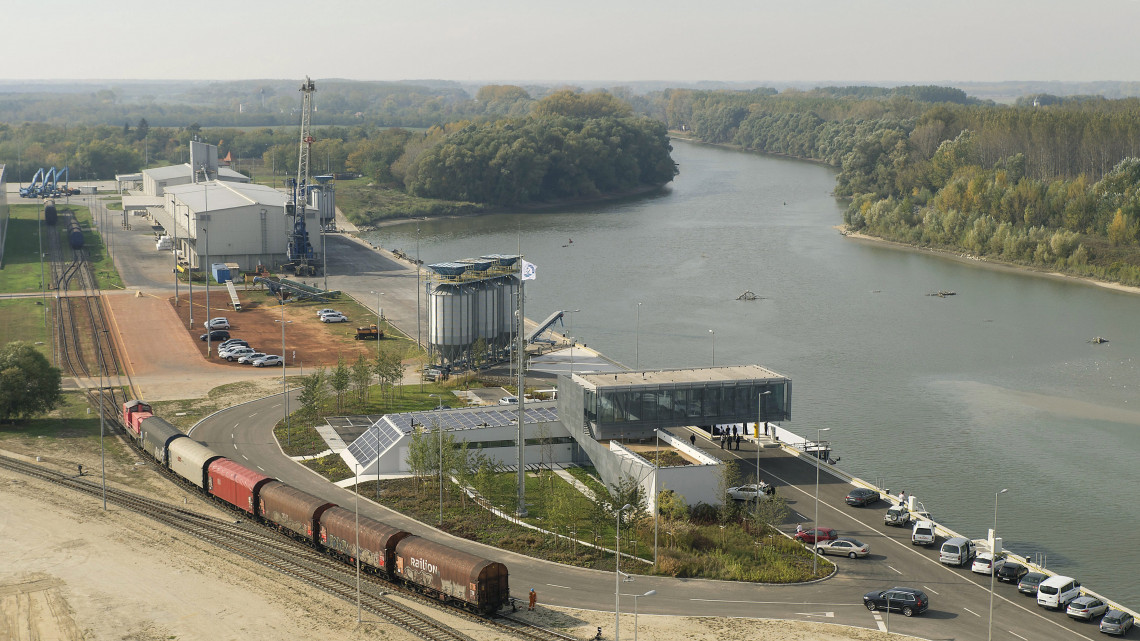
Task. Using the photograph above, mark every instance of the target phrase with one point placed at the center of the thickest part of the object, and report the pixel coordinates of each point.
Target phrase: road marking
(929, 590)
(245, 457)
(235, 446)
(237, 425)
(826, 615)
(254, 414)
(895, 571)
(879, 622)
(1018, 635)
(233, 436)
(261, 468)
(972, 612)
(776, 602)
(558, 586)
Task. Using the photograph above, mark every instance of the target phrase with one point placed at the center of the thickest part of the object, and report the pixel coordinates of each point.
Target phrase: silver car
(1116, 622)
(1086, 607)
(249, 358)
(843, 546)
(750, 492)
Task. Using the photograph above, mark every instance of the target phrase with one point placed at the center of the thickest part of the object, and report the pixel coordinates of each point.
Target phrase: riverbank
(987, 262)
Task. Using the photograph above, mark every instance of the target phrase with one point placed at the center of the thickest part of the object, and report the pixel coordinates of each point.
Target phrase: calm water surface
(951, 399)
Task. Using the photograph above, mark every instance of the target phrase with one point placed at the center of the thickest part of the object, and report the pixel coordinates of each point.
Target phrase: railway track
(79, 312)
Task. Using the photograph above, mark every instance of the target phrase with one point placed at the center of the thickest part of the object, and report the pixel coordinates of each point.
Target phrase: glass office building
(633, 404)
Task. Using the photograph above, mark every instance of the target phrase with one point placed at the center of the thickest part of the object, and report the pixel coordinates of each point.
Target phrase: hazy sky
(578, 40)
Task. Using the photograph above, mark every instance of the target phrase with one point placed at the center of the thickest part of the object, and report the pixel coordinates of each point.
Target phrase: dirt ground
(70, 571)
(167, 361)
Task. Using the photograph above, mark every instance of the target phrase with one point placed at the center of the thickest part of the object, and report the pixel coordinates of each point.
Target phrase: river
(951, 399)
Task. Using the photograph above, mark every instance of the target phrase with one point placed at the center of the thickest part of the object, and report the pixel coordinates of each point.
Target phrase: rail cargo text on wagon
(426, 566)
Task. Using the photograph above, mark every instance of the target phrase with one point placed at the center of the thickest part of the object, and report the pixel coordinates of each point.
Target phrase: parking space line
(1017, 635)
(929, 590)
(972, 612)
(777, 602)
(559, 586)
(895, 571)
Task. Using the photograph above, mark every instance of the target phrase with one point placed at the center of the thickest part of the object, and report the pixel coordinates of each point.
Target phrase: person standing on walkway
(737, 441)
(693, 440)
(533, 599)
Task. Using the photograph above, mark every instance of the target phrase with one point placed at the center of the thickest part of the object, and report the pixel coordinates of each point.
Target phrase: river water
(951, 399)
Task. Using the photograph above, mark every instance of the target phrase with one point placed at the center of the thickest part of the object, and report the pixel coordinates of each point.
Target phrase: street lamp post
(993, 563)
(379, 319)
(815, 519)
(572, 339)
(759, 420)
(177, 302)
(617, 574)
(656, 496)
(635, 598)
(712, 335)
(356, 486)
(439, 425)
(284, 391)
(637, 340)
(190, 267)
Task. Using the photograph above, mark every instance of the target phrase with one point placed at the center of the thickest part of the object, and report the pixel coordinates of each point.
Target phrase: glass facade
(628, 410)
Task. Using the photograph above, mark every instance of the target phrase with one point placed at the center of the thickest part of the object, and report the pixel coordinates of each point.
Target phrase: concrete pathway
(578, 485)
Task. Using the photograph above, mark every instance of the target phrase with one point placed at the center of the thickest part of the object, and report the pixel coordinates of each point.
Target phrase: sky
(850, 41)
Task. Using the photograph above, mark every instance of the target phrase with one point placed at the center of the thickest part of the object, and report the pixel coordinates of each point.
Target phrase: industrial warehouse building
(195, 201)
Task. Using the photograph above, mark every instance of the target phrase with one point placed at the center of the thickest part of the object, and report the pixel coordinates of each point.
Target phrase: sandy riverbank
(986, 262)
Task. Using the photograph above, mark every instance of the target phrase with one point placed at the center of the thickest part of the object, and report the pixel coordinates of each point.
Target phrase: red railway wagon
(235, 484)
(449, 573)
(291, 509)
(377, 540)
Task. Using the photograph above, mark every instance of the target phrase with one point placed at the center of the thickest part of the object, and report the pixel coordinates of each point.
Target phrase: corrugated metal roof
(183, 171)
(226, 195)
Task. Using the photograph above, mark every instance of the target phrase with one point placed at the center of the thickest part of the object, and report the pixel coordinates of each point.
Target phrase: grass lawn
(23, 320)
(364, 205)
(21, 269)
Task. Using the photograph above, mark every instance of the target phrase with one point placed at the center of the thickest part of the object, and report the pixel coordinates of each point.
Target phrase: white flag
(528, 270)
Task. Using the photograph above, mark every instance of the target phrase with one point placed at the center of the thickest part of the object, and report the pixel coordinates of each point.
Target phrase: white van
(1056, 592)
(957, 551)
(923, 533)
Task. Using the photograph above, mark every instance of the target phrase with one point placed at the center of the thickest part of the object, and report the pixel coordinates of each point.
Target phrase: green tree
(361, 379)
(29, 385)
(314, 393)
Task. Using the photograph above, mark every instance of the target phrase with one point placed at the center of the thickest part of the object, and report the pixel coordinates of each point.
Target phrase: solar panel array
(390, 428)
(373, 442)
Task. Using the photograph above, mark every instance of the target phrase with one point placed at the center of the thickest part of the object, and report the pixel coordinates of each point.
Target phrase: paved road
(960, 598)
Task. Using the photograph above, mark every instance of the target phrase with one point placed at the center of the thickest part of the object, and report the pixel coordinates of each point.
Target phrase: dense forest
(515, 151)
(1052, 182)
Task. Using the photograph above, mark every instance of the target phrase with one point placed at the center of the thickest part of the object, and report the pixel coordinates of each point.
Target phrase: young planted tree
(729, 477)
(361, 379)
(314, 394)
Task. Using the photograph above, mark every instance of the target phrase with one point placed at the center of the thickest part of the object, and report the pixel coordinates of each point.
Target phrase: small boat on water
(748, 295)
(942, 293)
(1097, 340)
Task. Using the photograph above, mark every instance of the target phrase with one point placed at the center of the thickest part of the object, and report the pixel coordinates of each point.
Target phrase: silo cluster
(472, 299)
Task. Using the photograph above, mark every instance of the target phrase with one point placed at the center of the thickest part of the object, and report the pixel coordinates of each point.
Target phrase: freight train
(430, 568)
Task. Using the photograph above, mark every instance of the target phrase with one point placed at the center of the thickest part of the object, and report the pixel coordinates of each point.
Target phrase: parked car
(221, 322)
(215, 335)
(235, 353)
(815, 535)
(985, 563)
(1011, 572)
(897, 515)
(249, 358)
(232, 342)
(909, 601)
(509, 400)
(923, 533)
(1057, 592)
(751, 492)
(1116, 622)
(269, 360)
(327, 310)
(334, 318)
(1029, 583)
(1086, 607)
(843, 546)
(957, 551)
(862, 497)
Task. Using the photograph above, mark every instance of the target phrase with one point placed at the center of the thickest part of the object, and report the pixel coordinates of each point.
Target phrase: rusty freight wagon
(235, 484)
(453, 575)
(291, 509)
(377, 541)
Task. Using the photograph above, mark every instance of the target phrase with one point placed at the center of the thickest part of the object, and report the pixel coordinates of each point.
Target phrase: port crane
(302, 260)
